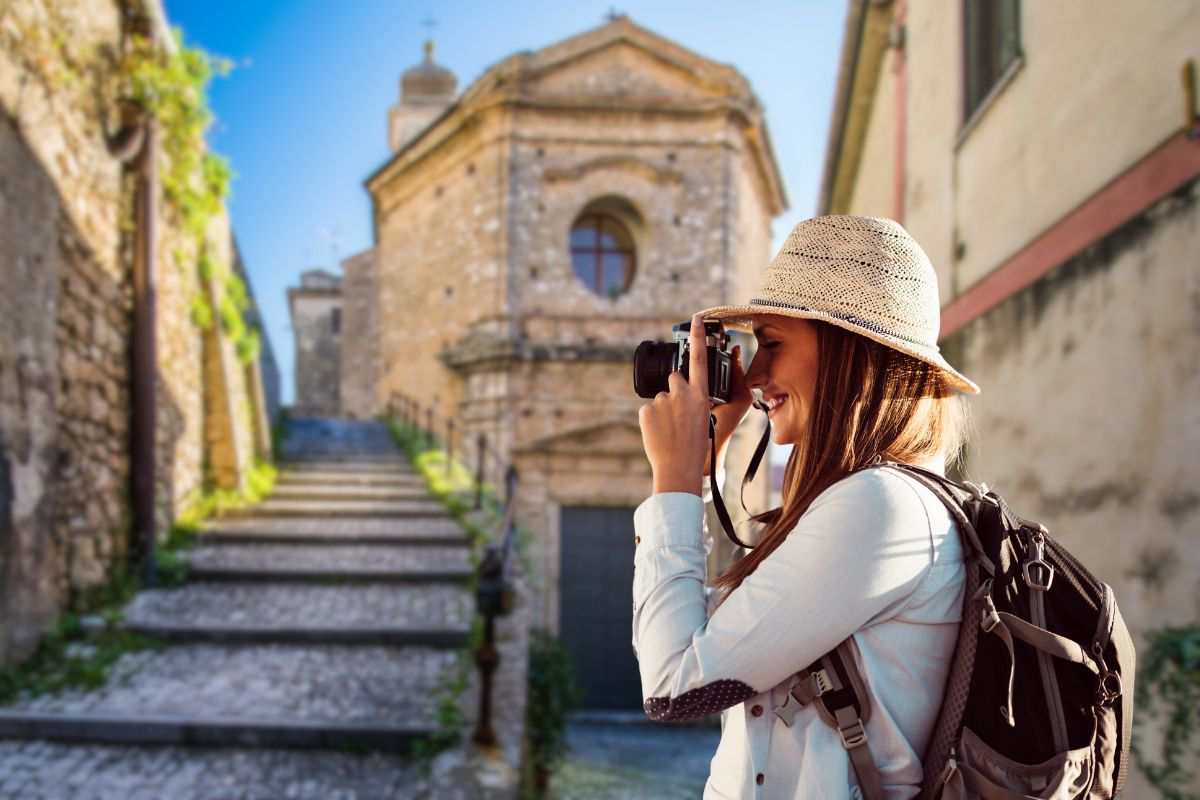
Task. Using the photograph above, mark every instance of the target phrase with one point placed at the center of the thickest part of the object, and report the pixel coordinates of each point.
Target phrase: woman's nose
(756, 375)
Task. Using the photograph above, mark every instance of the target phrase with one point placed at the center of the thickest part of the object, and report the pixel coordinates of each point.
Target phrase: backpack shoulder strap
(843, 702)
(939, 485)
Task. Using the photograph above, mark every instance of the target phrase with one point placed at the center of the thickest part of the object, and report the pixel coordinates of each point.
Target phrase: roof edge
(855, 18)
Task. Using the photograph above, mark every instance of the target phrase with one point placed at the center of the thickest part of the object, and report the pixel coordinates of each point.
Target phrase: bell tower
(425, 91)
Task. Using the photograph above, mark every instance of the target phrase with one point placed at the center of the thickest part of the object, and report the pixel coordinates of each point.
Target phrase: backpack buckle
(853, 735)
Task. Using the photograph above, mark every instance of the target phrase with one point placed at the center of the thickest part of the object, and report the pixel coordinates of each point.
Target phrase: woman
(849, 370)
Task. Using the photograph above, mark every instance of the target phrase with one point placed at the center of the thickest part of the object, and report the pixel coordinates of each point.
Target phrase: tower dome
(427, 82)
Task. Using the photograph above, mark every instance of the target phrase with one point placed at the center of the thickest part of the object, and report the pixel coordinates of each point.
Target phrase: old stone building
(1047, 156)
(572, 202)
(360, 338)
(68, 236)
(316, 311)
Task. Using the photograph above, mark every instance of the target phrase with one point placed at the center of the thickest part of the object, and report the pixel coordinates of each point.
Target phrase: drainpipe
(899, 44)
(145, 356)
(138, 139)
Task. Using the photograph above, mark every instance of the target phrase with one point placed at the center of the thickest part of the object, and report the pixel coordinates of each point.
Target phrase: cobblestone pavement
(351, 558)
(374, 508)
(322, 683)
(371, 491)
(350, 528)
(48, 771)
(392, 686)
(634, 761)
(343, 474)
(305, 605)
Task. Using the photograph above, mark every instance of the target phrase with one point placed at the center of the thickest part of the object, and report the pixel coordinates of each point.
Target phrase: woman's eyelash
(768, 345)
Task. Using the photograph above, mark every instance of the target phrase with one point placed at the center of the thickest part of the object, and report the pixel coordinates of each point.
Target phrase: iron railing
(493, 577)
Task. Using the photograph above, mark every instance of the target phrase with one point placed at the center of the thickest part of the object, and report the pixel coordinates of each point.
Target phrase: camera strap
(751, 471)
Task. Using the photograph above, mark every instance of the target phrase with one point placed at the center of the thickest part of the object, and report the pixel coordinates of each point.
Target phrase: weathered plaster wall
(873, 188)
(1088, 420)
(1093, 117)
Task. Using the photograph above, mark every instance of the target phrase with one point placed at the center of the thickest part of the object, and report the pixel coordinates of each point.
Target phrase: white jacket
(876, 555)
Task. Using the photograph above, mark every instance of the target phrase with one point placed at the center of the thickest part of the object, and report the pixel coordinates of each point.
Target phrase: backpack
(1039, 698)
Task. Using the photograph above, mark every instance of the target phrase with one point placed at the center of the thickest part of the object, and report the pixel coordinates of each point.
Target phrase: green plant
(552, 694)
(1168, 688)
(448, 712)
(68, 658)
(172, 86)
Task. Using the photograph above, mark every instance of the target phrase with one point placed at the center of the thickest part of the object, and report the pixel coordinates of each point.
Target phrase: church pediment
(623, 59)
(624, 67)
(609, 437)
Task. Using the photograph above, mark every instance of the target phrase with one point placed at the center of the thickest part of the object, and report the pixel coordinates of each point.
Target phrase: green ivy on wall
(172, 86)
(1168, 689)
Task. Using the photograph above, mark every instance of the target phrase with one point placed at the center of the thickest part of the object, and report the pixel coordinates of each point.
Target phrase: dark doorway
(596, 606)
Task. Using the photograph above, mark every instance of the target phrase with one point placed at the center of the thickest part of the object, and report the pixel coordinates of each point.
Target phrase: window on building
(603, 253)
(991, 43)
(335, 321)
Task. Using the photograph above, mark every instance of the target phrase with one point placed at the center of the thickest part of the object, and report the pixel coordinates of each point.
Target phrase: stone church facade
(572, 202)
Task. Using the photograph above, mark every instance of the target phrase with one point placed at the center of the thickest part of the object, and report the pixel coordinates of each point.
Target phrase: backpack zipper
(1037, 610)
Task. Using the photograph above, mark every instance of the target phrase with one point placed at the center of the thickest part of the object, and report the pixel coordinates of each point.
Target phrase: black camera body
(653, 362)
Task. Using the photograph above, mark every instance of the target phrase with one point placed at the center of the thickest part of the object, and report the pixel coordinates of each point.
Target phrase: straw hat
(864, 274)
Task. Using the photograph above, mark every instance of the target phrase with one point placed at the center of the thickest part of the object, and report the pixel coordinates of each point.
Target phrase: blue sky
(302, 116)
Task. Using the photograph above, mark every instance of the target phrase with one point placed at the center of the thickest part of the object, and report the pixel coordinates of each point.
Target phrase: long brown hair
(869, 400)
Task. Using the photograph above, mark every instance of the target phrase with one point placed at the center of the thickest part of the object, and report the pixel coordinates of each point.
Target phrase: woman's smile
(784, 372)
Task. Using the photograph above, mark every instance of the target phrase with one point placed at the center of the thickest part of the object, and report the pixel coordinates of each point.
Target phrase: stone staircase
(324, 618)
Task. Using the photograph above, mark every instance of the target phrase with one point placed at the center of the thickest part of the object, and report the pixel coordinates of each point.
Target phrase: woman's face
(785, 370)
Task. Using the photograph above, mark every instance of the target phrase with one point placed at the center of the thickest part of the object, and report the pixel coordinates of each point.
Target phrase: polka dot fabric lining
(708, 699)
(864, 274)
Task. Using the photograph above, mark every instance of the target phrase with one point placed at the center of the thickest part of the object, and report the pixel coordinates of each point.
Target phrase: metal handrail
(493, 588)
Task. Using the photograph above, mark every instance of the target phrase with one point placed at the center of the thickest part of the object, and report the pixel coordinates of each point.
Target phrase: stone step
(389, 467)
(296, 696)
(303, 478)
(338, 508)
(320, 575)
(444, 607)
(342, 563)
(334, 530)
(369, 493)
(57, 771)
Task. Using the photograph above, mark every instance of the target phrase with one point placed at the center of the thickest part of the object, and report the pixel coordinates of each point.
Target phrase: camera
(653, 362)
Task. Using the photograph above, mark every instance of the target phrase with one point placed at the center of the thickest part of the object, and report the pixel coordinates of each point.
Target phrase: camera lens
(652, 362)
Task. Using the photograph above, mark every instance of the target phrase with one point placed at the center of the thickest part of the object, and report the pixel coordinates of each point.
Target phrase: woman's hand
(675, 423)
(730, 414)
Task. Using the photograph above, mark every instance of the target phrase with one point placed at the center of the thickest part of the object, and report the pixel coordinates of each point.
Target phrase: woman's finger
(698, 361)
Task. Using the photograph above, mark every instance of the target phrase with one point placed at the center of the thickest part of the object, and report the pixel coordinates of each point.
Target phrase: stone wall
(63, 363)
(318, 350)
(66, 325)
(360, 336)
